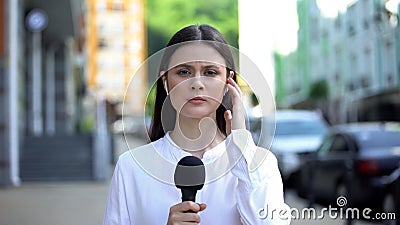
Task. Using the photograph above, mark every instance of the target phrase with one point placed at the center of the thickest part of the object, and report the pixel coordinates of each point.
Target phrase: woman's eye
(211, 73)
(183, 72)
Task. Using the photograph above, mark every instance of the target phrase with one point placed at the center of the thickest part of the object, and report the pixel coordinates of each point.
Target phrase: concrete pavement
(79, 203)
(59, 203)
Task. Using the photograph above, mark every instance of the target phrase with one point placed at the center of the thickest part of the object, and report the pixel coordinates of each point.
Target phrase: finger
(235, 86)
(189, 217)
(189, 205)
(202, 207)
(238, 118)
(235, 95)
(228, 121)
(233, 82)
(184, 218)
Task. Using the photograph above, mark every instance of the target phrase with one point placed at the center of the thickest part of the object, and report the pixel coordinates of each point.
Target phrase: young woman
(198, 112)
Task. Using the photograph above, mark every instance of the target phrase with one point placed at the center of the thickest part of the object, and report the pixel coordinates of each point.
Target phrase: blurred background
(65, 65)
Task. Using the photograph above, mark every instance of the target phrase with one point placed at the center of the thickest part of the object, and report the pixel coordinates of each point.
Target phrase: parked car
(391, 201)
(351, 162)
(297, 131)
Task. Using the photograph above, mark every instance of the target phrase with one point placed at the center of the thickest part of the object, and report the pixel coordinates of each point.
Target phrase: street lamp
(36, 21)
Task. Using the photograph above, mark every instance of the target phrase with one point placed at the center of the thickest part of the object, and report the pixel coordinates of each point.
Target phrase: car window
(339, 145)
(325, 146)
(306, 127)
(333, 144)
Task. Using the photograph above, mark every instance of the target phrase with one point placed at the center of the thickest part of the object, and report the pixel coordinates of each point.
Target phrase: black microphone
(189, 176)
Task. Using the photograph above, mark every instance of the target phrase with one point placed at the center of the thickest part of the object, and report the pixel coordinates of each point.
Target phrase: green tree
(319, 90)
(165, 17)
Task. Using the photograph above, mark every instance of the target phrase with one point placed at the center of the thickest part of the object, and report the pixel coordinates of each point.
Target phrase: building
(356, 53)
(45, 130)
(116, 49)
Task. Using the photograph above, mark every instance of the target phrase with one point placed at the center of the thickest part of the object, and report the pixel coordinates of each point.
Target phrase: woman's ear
(162, 73)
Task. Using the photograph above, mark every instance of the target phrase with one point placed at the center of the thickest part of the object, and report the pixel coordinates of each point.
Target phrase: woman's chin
(195, 114)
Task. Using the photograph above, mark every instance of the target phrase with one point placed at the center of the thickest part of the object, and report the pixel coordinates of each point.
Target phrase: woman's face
(196, 80)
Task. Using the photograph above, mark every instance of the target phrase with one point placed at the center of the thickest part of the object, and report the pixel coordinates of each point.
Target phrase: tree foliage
(165, 17)
(319, 90)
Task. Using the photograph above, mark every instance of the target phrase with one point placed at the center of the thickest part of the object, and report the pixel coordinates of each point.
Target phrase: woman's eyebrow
(185, 65)
(215, 66)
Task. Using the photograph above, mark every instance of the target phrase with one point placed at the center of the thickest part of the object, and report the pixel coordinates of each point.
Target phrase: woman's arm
(260, 190)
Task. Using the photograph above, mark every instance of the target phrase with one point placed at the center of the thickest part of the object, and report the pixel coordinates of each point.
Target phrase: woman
(198, 112)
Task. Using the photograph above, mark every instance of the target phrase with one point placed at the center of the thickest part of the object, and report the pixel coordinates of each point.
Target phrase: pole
(37, 83)
(13, 93)
(50, 92)
(102, 142)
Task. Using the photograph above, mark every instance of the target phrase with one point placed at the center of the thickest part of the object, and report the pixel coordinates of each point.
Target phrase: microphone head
(190, 173)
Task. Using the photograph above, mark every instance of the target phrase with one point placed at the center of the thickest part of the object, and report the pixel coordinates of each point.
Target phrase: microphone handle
(188, 194)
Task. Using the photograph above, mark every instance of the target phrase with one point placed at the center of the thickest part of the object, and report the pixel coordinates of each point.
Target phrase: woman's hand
(236, 119)
(178, 213)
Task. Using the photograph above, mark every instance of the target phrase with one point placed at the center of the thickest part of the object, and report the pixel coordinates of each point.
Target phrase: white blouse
(238, 190)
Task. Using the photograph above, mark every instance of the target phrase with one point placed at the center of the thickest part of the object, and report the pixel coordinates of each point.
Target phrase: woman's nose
(197, 83)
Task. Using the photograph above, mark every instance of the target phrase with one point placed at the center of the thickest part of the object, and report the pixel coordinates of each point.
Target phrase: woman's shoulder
(139, 152)
(264, 156)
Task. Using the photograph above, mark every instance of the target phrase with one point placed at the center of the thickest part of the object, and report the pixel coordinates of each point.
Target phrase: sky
(286, 29)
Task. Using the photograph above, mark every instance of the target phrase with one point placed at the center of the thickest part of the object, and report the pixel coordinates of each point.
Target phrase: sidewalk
(78, 203)
(59, 203)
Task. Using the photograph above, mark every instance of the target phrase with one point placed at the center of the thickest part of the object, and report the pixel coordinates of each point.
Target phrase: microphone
(189, 176)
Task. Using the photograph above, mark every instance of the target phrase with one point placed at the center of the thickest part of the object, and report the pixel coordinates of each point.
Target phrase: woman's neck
(196, 136)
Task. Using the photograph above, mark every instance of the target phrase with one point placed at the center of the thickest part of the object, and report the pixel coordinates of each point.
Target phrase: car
(391, 200)
(351, 162)
(297, 132)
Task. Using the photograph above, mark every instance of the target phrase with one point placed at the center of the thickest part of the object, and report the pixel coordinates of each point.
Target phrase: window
(337, 77)
(365, 81)
(365, 24)
(326, 145)
(389, 78)
(338, 22)
(339, 144)
(351, 30)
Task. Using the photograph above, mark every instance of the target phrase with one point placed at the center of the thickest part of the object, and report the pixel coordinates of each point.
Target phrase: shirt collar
(208, 157)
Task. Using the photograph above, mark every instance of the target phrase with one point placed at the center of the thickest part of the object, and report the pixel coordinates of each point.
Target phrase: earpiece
(166, 86)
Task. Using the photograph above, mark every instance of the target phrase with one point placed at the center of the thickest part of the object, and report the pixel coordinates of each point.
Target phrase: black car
(391, 202)
(350, 162)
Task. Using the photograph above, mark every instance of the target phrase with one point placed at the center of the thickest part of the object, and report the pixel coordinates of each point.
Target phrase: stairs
(57, 158)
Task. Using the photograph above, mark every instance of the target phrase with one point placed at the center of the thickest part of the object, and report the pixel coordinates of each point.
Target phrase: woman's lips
(197, 100)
